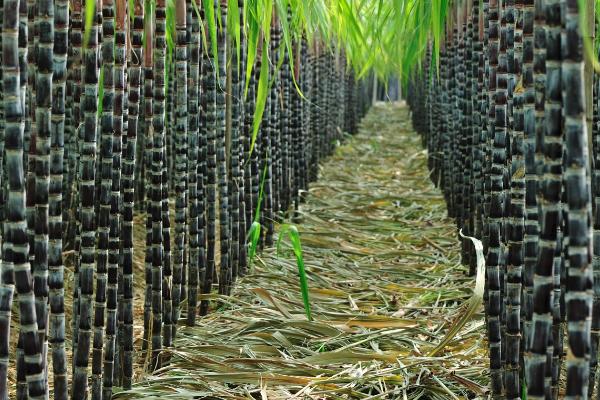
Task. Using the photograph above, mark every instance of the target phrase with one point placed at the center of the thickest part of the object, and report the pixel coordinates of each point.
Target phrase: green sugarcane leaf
(296, 245)
(282, 6)
(261, 95)
(587, 41)
(266, 15)
(90, 13)
(209, 15)
(282, 230)
(350, 17)
(254, 231)
(197, 11)
(252, 49)
(260, 194)
(201, 25)
(131, 6)
(170, 37)
(253, 236)
(233, 26)
(292, 232)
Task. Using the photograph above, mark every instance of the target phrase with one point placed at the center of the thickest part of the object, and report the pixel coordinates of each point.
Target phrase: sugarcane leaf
(584, 31)
(261, 96)
(90, 13)
(260, 194)
(266, 296)
(209, 16)
(472, 304)
(252, 34)
(131, 7)
(266, 15)
(347, 356)
(381, 322)
(292, 232)
(170, 37)
(201, 25)
(253, 236)
(254, 231)
(282, 9)
(233, 26)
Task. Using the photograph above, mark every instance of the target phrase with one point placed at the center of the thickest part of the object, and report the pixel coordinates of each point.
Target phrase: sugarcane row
(510, 122)
(130, 119)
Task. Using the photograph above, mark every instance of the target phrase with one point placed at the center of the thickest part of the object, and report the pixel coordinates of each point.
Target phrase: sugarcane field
(299, 199)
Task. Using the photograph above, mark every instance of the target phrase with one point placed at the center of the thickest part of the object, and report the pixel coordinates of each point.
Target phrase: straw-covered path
(385, 284)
